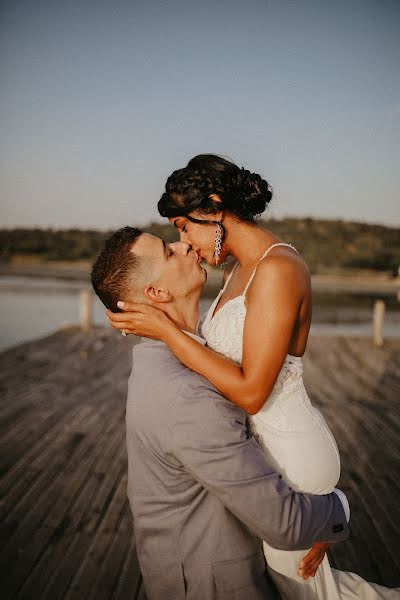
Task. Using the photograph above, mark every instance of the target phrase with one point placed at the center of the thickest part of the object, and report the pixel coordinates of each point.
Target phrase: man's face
(176, 265)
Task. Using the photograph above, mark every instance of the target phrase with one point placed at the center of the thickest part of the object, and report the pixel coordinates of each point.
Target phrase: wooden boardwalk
(66, 529)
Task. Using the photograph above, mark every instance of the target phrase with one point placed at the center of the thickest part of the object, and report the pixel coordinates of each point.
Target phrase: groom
(201, 491)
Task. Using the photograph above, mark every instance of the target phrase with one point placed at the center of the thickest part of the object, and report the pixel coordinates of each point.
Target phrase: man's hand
(140, 319)
(310, 563)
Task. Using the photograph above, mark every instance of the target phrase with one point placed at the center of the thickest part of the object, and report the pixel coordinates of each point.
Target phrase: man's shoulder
(182, 396)
(154, 363)
(156, 367)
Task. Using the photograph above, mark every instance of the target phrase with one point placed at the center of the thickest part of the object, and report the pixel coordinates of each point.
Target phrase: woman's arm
(273, 302)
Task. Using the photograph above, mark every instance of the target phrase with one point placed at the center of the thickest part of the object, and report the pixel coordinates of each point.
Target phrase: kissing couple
(231, 470)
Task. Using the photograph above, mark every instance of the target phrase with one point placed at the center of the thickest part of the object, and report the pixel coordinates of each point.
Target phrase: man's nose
(180, 247)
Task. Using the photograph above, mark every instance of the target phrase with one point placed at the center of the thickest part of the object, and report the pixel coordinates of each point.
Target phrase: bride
(256, 332)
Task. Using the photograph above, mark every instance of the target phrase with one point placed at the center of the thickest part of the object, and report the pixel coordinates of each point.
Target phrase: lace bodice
(223, 331)
(288, 428)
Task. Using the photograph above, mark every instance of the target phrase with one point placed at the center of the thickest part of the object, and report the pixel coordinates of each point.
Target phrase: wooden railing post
(86, 309)
(379, 314)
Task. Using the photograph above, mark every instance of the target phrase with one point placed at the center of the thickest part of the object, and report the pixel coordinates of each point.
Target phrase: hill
(327, 245)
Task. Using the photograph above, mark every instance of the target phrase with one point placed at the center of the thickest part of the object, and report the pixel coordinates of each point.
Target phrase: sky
(101, 101)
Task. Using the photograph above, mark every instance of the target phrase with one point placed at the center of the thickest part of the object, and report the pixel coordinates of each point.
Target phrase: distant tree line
(325, 244)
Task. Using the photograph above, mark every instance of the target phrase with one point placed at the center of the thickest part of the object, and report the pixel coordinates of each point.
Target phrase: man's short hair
(115, 266)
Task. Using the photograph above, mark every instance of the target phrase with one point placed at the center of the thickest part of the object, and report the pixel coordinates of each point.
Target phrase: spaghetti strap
(229, 277)
(263, 256)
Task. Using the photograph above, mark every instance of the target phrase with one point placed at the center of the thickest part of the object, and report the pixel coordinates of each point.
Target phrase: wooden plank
(66, 516)
(71, 536)
(130, 580)
(102, 536)
(107, 577)
(47, 464)
(40, 523)
(35, 463)
(355, 421)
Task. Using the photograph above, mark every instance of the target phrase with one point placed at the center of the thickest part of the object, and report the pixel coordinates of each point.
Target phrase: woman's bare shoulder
(284, 257)
(283, 266)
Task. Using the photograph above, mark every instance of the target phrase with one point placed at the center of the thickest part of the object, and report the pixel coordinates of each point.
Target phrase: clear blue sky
(101, 101)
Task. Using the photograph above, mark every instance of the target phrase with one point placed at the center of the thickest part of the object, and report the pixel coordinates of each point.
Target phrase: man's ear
(156, 294)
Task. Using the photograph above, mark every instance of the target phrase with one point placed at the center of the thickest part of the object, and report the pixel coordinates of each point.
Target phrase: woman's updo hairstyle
(243, 193)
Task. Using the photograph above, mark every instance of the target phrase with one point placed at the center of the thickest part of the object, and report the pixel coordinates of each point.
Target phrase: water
(34, 307)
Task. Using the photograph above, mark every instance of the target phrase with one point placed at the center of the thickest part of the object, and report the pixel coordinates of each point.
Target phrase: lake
(34, 307)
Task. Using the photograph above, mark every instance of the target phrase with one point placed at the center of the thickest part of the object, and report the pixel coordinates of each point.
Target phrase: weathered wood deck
(66, 527)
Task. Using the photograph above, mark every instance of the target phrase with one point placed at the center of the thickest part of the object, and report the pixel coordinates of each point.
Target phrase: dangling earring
(218, 243)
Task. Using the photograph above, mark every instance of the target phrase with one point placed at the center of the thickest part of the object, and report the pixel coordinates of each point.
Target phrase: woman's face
(200, 237)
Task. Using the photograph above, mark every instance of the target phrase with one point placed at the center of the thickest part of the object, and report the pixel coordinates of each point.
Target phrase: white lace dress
(299, 443)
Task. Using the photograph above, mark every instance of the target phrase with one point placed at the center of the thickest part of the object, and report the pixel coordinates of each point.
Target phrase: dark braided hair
(243, 193)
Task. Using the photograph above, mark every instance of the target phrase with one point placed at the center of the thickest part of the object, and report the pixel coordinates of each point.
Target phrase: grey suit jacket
(202, 494)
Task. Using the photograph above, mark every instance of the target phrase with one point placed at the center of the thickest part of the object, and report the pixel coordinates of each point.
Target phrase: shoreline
(35, 302)
(354, 282)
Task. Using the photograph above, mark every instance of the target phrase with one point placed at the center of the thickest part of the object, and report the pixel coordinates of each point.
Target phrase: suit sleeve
(211, 441)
